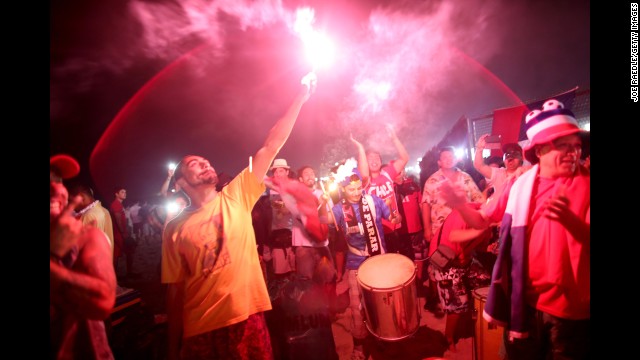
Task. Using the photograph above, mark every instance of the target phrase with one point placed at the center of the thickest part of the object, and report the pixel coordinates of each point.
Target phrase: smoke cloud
(417, 65)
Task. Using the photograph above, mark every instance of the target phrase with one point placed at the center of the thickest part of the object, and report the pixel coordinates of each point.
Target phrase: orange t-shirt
(212, 250)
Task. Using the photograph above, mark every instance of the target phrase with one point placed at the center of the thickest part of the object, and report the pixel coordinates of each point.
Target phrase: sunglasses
(513, 155)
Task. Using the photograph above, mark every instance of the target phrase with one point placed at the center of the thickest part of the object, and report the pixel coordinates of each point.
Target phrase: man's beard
(211, 180)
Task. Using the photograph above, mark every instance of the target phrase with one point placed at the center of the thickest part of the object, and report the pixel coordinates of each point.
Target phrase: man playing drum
(359, 219)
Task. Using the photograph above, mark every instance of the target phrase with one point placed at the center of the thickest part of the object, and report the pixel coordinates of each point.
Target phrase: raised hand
(357, 143)
(65, 229)
(482, 141)
(391, 131)
(310, 80)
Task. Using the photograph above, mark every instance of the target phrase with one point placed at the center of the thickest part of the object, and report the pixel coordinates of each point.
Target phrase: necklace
(89, 207)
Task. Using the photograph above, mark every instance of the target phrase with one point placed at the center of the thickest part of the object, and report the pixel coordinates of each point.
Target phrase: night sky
(136, 84)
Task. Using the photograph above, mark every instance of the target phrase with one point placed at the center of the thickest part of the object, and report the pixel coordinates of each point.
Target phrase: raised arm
(456, 198)
(363, 164)
(280, 132)
(403, 155)
(478, 161)
(164, 189)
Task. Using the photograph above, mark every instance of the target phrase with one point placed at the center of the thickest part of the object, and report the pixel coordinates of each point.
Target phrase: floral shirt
(440, 211)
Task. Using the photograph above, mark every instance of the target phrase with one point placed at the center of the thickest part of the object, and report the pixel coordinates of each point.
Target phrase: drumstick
(329, 204)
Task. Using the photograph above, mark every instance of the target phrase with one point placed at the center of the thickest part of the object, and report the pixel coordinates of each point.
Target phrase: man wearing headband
(364, 238)
(381, 183)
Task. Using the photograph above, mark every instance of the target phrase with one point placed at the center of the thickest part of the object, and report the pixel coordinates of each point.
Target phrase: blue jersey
(356, 238)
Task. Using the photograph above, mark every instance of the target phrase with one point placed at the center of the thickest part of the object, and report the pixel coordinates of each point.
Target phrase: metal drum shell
(488, 337)
(391, 309)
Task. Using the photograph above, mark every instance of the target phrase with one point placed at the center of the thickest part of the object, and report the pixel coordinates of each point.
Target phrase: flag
(506, 122)
(509, 122)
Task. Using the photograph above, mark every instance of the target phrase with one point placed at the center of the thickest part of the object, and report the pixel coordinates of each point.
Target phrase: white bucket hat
(279, 163)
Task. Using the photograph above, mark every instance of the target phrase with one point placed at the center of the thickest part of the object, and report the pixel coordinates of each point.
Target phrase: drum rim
(395, 287)
(481, 296)
(389, 289)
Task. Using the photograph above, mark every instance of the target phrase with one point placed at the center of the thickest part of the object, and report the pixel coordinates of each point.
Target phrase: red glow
(99, 159)
(484, 72)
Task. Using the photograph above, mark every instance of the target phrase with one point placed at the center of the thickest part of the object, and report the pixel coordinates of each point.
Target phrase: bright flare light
(172, 207)
(172, 166)
(318, 48)
(459, 153)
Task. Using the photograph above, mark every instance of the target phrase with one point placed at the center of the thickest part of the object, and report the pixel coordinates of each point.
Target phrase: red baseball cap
(64, 166)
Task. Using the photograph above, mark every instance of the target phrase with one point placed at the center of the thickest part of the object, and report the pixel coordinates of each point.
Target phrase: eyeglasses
(513, 155)
(566, 147)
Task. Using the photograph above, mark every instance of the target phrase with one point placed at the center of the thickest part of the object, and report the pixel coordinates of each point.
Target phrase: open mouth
(55, 206)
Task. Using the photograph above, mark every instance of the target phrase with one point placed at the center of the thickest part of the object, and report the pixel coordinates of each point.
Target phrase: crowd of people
(233, 253)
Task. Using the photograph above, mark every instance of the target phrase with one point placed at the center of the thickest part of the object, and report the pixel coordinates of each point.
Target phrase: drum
(388, 288)
(488, 337)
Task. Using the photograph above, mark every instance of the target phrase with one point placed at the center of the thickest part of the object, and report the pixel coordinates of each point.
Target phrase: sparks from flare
(374, 93)
(319, 49)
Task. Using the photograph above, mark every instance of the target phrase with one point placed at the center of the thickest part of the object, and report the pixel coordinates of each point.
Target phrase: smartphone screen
(493, 142)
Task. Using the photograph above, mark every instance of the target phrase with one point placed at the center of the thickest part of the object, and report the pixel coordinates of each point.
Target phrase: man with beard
(313, 257)
(216, 293)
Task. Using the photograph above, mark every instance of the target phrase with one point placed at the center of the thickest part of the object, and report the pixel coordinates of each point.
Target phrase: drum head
(386, 271)
(481, 293)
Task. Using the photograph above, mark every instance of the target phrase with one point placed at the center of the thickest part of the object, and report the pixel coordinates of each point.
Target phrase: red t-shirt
(409, 195)
(382, 186)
